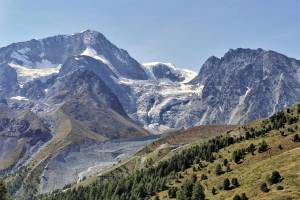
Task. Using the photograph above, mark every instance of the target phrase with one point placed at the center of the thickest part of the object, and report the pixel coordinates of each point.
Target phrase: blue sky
(184, 32)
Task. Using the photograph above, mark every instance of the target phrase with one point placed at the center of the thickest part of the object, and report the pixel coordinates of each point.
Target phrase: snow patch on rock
(93, 53)
(19, 98)
(28, 74)
(187, 74)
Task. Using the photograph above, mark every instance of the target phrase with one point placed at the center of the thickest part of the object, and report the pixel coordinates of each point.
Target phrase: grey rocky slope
(8, 80)
(246, 84)
(21, 134)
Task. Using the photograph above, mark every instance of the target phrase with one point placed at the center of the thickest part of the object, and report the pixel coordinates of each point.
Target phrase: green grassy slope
(254, 169)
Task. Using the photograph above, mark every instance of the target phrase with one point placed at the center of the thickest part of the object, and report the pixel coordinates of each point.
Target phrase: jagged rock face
(35, 89)
(86, 86)
(8, 81)
(247, 84)
(21, 134)
(24, 125)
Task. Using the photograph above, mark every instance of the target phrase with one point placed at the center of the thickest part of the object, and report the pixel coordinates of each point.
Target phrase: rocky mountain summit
(247, 84)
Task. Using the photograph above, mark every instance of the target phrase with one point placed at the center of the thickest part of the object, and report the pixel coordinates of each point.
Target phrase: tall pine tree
(198, 192)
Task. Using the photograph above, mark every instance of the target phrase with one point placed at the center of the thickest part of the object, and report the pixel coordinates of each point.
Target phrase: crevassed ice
(162, 93)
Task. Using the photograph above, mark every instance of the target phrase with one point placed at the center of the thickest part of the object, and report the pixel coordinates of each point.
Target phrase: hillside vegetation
(255, 161)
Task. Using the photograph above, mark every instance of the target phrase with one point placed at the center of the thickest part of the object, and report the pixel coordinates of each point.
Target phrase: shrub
(282, 133)
(228, 169)
(248, 135)
(263, 147)
(220, 187)
(203, 177)
(264, 187)
(279, 187)
(244, 197)
(218, 170)
(194, 169)
(296, 138)
(172, 192)
(187, 188)
(3, 190)
(275, 177)
(251, 148)
(197, 160)
(237, 197)
(291, 130)
(235, 182)
(194, 178)
(214, 191)
(226, 184)
(237, 155)
(156, 198)
(198, 192)
(67, 186)
(180, 196)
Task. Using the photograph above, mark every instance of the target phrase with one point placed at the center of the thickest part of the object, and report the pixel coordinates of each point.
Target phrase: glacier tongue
(154, 97)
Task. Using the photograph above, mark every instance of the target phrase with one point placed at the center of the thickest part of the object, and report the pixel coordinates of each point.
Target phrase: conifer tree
(226, 184)
(198, 192)
(180, 195)
(235, 182)
(3, 190)
(218, 169)
(263, 147)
